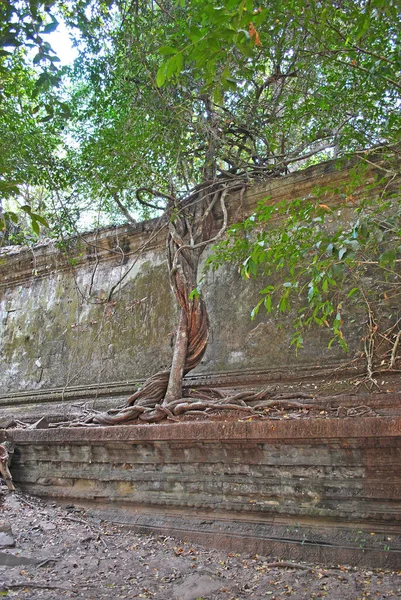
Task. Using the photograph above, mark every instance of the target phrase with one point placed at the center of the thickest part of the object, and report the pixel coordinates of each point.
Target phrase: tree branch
(364, 70)
(156, 194)
(216, 238)
(123, 209)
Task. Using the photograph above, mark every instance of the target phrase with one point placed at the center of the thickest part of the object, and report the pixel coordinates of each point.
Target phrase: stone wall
(61, 343)
(324, 490)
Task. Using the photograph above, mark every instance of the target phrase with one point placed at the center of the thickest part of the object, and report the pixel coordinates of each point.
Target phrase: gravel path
(64, 552)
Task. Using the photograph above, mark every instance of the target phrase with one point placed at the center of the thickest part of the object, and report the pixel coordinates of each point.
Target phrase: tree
(31, 113)
(178, 106)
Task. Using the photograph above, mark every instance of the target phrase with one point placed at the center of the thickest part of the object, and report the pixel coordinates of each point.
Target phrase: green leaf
(217, 95)
(10, 215)
(194, 33)
(174, 66)
(40, 219)
(267, 289)
(246, 50)
(35, 226)
(255, 310)
(268, 303)
(167, 50)
(387, 258)
(284, 304)
(352, 292)
(10, 40)
(297, 340)
(51, 26)
(362, 26)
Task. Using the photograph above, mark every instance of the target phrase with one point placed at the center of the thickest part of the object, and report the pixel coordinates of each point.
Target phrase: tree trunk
(174, 388)
(190, 230)
(161, 396)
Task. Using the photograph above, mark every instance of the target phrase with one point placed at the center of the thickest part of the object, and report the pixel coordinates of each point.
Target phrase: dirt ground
(60, 552)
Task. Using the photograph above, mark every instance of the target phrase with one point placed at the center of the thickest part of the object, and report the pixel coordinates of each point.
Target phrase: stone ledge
(301, 375)
(229, 431)
(313, 489)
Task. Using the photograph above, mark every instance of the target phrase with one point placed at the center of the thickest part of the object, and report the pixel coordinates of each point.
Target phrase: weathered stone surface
(6, 535)
(16, 557)
(6, 540)
(46, 526)
(58, 349)
(303, 488)
(5, 527)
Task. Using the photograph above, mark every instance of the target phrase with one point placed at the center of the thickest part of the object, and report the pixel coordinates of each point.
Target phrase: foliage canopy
(270, 84)
(167, 96)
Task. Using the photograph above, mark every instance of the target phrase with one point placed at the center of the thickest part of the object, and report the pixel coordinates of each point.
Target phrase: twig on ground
(24, 501)
(89, 525)
(394, 350)
(32, 584)
(287, 565)
(45, 562)
(75, 520)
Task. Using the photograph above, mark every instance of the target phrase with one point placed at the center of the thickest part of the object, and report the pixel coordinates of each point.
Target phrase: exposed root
(204, 400)
(287, 565)
(208, 406)
(285, 404)
(394, 350)
(4, 470)
(152, 392)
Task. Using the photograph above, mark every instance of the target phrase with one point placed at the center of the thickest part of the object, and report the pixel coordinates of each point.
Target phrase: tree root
(288, 565)
(4, 470)
(203, 400)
